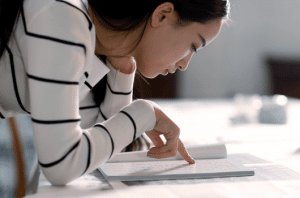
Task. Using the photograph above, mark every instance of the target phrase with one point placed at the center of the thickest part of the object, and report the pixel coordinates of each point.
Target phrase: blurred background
(257, 53)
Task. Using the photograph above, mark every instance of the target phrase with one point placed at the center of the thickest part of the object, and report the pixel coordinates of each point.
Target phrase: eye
(194, 48)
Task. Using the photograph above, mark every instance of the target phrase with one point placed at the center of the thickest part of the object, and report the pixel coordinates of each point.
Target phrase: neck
(114, 43)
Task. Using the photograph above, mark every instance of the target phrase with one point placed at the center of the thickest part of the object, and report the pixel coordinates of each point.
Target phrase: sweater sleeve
(55, 50)
(119, 88)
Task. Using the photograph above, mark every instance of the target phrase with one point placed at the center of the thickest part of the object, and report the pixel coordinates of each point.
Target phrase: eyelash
(194, 48)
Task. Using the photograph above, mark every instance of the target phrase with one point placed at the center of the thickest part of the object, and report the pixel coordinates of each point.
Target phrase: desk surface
(273, 151)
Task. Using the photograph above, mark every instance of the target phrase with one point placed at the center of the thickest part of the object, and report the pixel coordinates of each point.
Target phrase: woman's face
(164, 48)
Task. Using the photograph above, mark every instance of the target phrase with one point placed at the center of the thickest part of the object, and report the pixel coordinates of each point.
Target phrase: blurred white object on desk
(260, 109)
(273, 110)
(246, 108)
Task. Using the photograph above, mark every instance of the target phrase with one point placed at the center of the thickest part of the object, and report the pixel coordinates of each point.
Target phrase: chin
(149, 74)
(150, 77)
(148, 70)
(153, 76)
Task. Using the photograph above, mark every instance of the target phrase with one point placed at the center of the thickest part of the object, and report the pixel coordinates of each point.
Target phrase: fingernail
(192, 161)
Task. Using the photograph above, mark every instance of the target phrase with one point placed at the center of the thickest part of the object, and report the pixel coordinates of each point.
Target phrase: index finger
(184, 154)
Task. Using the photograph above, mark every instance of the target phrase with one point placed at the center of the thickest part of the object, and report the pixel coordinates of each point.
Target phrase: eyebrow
(203, 40)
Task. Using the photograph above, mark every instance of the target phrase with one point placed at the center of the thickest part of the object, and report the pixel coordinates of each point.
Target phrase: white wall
(234, 62)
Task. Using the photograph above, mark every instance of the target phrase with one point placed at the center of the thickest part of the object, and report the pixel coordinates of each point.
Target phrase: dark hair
(9, 11)
(125, 15)
(129, 15)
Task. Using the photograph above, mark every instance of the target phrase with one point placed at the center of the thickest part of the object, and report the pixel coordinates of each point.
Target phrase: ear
(162, 13)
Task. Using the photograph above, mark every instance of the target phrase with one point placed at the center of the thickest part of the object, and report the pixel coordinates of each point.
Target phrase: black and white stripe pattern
(111, 139)
(39, 79)
(133, 123)
(88, 85)
(73, 135)
(38, 36)
(102, 114)
(117, 93)
(48, 165)
(12, 66)
(86, 82)
(89, 154)
(88, 107)
(54, 121)
(51, 80)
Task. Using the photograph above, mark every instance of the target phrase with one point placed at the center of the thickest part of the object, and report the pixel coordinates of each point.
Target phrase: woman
(70, 64)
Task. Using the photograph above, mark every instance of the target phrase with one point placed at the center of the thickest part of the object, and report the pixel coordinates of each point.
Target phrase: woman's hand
(124, 64)
(165, 126)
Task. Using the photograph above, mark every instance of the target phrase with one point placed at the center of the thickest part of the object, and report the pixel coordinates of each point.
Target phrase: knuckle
(177, 129)
(129, 61)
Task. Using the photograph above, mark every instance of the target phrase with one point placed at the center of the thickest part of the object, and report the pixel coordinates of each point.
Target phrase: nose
(182, 67)
(184, 63)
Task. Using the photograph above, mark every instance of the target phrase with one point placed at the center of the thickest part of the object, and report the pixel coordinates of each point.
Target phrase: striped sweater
(47, 71)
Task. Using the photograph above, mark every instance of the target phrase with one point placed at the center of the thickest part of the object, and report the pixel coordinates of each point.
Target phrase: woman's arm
(55, 50)
(119, 88)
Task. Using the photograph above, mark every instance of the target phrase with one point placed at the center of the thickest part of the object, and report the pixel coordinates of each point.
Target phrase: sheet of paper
(179, 169)
(207, 151)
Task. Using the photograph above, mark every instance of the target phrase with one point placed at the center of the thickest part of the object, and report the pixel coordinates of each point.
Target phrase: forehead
(208, 31)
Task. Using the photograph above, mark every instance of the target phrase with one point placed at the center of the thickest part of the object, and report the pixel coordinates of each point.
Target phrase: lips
(167, 71)
(172, 72)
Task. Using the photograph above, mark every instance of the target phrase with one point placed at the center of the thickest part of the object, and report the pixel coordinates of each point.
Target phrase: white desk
(273, 151)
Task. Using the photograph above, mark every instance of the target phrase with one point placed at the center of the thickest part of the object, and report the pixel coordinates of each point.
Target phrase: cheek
(159, 56)
(175, 56)
(148, 65)
(177, 50)
(154, 62)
